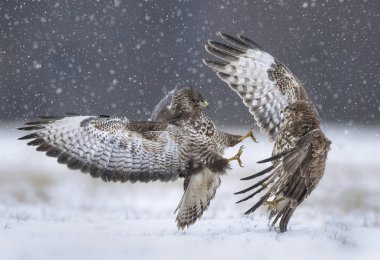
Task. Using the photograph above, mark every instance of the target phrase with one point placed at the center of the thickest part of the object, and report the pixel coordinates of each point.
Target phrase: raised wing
(265, 84)
(292, 177)
(114, 149)
(161, 111)
(200, 189)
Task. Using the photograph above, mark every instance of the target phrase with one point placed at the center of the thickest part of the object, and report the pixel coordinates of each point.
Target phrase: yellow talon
(237, 156)
(273, 204)
(249, 134)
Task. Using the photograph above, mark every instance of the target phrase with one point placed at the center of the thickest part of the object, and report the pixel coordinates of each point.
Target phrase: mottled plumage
(181, 142)
(278, 101)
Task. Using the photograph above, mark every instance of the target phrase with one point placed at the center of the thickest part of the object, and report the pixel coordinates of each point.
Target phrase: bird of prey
(278, 102)
(181, 141)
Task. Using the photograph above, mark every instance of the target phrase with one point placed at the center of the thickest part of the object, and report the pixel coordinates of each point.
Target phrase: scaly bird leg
(237, 156)
(249, 134)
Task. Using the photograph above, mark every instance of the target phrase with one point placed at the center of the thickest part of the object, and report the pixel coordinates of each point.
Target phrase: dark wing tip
(69, 114)
(214, 44)
(54, 152)
(209, 49)
(207, 62)
(256, 206)
(227, 48)
(35, 142)
(210, 42)
(43, 147)
(274, 157)
(250, 42)
(258, 174)
(28, 128)
(224, 35)
(51, 117)
(30, 136)
(217, 65)
(43, 122)
(247, 178)
(222, 75)
(221, 54)
(248, 212)
(234, 40)
(252, 195)
(254, 186)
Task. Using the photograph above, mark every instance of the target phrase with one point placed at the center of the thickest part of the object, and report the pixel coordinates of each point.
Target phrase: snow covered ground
(48, 211)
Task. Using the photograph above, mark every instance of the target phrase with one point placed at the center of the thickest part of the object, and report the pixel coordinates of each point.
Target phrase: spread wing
(292, 177)
(200, 189)
(266, 85)
(114, 149)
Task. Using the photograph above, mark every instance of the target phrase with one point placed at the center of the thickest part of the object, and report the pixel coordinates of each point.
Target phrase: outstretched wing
(114, 149)
(200, 189)
(292, 177)
(266, 85)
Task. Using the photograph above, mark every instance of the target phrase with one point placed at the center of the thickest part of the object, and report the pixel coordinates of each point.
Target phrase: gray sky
(119, 57)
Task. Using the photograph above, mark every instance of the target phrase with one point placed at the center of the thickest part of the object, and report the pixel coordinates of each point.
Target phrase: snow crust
(48, 211)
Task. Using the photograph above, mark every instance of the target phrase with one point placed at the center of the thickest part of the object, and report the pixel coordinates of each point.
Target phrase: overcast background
(119, 57)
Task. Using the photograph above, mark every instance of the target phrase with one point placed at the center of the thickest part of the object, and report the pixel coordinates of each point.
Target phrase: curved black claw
(252, 136)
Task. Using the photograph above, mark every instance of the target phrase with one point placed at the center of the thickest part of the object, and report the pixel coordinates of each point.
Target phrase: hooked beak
(204, 103)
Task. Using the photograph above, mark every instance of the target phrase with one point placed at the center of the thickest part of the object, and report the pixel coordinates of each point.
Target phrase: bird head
(188, 99)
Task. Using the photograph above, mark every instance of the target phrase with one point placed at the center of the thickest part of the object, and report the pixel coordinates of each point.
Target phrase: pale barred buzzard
(278, 102)
(181, 141)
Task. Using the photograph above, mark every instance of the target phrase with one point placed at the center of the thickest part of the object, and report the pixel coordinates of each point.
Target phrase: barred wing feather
(200, 189)
(114, 149)
(265, 85)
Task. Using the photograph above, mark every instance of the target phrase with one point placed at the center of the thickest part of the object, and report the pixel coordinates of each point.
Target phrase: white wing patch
(265, 86)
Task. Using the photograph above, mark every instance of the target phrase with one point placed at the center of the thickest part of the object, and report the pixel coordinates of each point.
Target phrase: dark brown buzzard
(277, 100)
